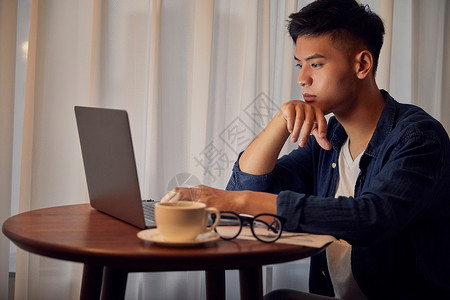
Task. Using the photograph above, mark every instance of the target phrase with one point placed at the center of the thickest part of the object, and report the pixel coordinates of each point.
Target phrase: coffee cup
(183, 221)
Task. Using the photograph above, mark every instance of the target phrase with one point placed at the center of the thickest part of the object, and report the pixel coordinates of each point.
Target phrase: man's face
(327, 74)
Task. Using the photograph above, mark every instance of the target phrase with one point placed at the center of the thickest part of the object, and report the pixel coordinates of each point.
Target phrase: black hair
(348, 23)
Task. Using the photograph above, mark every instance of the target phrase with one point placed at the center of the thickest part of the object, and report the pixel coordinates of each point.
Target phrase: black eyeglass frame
(250, 219)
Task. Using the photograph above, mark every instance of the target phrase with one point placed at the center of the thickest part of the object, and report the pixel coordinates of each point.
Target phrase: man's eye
(315, 66)
(299, 66)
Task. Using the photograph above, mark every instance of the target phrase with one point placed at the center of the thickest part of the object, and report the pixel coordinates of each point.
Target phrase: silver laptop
(110, 165)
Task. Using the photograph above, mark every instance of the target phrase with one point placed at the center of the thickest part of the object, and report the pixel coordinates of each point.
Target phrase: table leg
(215, 284)
(92, 282)
(250, 280)
(114, 283)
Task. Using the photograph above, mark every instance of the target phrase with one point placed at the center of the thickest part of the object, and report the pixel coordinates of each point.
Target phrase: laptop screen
(109, 163)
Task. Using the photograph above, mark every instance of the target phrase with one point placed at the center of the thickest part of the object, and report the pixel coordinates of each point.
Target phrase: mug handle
(210, 211)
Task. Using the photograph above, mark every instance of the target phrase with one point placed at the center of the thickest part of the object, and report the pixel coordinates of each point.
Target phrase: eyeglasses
(264, 227)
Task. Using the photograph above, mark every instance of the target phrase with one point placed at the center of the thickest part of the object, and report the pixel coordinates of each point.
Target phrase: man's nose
(304, 79)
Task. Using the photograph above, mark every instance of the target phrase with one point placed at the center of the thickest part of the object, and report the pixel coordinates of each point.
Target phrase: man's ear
(363, 64)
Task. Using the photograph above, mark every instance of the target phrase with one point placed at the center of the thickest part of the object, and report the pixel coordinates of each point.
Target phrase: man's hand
(247, 202)
(302, 120)
(294, 117)
(201, 193)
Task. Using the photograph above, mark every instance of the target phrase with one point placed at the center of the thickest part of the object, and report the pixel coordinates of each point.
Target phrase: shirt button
(333, 165)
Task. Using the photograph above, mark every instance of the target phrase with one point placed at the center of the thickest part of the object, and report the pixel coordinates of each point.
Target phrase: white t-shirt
(339, 252)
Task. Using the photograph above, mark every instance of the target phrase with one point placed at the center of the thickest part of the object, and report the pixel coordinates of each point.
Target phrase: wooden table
(110, 249)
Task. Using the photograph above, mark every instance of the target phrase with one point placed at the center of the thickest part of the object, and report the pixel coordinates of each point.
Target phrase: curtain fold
(57, 77)
(23, 258)
(428, 81)
(199, 79)
(8, 13)
(445, 103)
(385, 11)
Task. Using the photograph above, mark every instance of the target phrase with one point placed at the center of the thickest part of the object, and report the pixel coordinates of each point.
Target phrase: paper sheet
(295, 238)
(305, 239)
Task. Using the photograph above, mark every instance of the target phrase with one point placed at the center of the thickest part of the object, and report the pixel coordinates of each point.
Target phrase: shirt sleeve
(240, 181)
(292, 172)
(407, 181)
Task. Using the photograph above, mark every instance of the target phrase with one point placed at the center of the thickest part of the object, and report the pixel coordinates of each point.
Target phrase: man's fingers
(320, 131)
(171, 196)
(307, 125)
(321, 124)
(299, 119)
(302, 120)
(184, 193)
(322, 141)
(289, 116)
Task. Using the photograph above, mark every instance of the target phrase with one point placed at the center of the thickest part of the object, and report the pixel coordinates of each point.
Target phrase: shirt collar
(384, 127)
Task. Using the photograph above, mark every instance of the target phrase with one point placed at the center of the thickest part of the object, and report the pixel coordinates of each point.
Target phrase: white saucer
(153, 235)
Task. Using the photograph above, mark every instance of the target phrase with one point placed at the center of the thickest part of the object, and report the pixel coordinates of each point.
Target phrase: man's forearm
(261, 155)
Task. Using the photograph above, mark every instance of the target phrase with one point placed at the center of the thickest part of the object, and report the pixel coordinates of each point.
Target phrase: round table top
(82, 234)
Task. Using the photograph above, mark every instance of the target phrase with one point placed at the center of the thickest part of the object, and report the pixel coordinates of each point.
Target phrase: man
(376, 176)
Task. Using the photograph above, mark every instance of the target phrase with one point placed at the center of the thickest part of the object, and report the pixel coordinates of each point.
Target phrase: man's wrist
(254, 203)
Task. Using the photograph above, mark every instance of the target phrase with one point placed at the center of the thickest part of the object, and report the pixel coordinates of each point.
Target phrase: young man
(376, 177)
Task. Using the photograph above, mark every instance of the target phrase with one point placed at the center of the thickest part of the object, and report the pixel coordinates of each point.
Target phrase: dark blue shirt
(398, 222)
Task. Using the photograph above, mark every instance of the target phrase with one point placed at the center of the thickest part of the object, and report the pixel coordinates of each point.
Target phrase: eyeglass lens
(265, 228)
(229, 226)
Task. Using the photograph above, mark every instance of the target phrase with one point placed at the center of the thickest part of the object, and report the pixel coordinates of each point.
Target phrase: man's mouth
(309, 97)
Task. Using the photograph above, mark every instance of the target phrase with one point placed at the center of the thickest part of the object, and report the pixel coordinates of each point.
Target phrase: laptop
(110, 165)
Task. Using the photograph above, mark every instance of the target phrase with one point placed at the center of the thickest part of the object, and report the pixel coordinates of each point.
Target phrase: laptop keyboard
(149, 212)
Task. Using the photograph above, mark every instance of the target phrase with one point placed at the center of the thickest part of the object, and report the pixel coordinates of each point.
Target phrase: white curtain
(199, 78)
(7, 52)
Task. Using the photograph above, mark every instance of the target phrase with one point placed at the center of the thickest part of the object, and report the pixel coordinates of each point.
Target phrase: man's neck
(361, 121)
